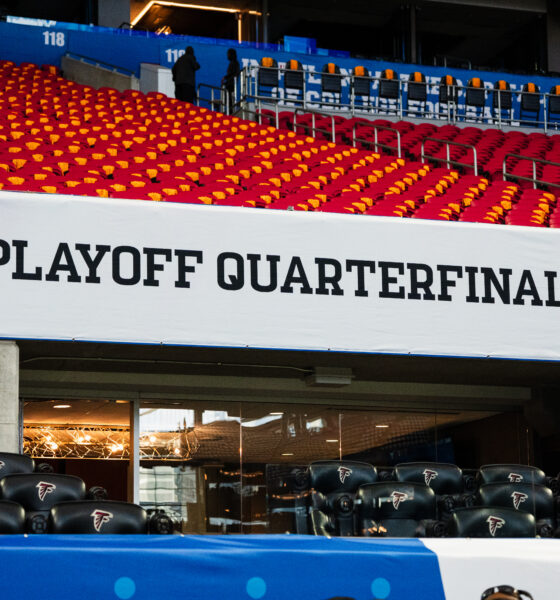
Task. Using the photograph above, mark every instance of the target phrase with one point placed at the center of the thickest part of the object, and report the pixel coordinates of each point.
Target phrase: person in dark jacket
(184, 76)
(228, 81)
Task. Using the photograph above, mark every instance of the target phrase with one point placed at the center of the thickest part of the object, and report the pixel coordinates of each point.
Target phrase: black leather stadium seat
(448, 90)
(510, 473)
(331, 80)
(523, 497)
(397, 509)
(12, 517)
(446, 480)
(268, 73)
(475, 94)
(334, 485)
(491, 521)
(39, 492)
(530, 101)
(361, 81)
(15, 463)
(98, 517)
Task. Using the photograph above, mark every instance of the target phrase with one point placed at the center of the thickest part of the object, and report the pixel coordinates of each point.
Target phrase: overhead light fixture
(184, 5)
(382, 426)
(329, 377)
(331, 441)
(287, 453)
(62, 406)
(276, 413)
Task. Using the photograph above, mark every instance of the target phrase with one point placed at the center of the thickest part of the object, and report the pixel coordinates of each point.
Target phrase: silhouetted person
(184, 76)
(228, 81)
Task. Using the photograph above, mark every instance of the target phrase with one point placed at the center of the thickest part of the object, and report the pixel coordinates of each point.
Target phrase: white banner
(76, 268)
(470, 567)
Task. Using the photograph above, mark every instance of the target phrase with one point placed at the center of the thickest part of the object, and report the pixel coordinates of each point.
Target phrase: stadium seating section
(329, 497)
(36, 500)
(57, 136)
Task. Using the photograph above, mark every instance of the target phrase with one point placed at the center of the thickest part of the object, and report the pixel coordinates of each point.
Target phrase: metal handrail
(448, 160)
(453, 111)
(375, 142)
(99, 63)
(314, 114)
(212, 100)
(534, 179)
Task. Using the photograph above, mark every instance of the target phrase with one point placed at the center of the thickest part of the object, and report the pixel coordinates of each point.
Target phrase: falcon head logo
(397, 498)
(2, 464)
(518, 498)
(515, 478)
(495, 523)
(343, 473)
(429, 475)
(100, 517)
(45, 488)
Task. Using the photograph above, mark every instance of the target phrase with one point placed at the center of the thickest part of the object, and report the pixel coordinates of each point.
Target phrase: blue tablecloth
(218, 567)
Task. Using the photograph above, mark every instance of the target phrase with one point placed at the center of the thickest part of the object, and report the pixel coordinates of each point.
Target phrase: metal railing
(448, 160)
(376, 143)
(88, 60)
(533, 179)
(346, 96)
(314, 114)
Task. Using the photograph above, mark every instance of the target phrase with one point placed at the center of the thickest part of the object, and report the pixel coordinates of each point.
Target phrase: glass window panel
(190, 464)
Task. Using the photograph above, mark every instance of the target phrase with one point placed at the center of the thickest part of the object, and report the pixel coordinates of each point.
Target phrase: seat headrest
(40, 491)
(340, 475)
(531, 88)
(511, 474)
(396, 500)
(15, 463)
(443, 478)
(491, 521)
(98, 517)
(535, 499)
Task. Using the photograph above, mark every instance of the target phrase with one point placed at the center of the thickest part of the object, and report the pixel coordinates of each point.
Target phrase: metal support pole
(134, 460)
(534, 174)
(265, 21)
(413, 52)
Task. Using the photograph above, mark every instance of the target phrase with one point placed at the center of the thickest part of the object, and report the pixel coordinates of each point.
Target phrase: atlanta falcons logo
(2, 464)
(343, 473)
(397, 498)
(429, 475)
(45, 488)
(515, 477)
(99, 518)
(494, 523)
(518, 498)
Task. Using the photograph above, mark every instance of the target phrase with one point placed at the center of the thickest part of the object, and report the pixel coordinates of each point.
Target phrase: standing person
(184, 76)
(228, 81)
